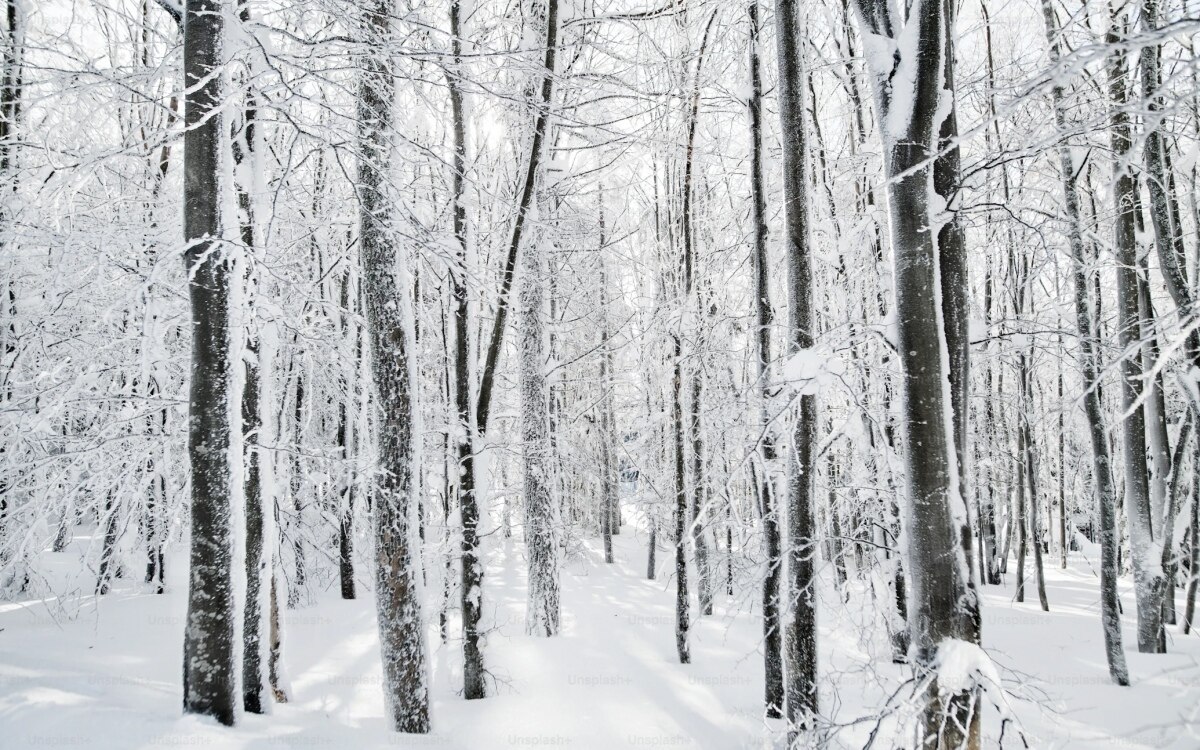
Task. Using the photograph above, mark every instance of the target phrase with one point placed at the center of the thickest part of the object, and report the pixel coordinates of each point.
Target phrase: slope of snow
(108, 675)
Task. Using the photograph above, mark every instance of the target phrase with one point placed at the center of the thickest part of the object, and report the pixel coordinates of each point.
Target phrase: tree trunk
(1031, 479)
(1102, 478)
(347, 444)
(801, 625)
(401, 630)
(541, 521)
(243, 148)
(942, 604)
(1189, 607)
(209, 671)
(253, 688)
(682, 614)
(704, 578)
(1149, 583)
(610, 491)
(300, 580)
(772, 542)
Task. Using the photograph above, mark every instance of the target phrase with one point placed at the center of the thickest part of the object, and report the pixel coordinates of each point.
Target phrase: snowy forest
(600, 374)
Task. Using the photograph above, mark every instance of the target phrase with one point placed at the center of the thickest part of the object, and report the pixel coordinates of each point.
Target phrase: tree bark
(763, 315)
(1102, 478)
(801, 621)
(542, 608)
(347, 444)
(209, 671)
(1149, 583)
(401, 630)
(941, 602)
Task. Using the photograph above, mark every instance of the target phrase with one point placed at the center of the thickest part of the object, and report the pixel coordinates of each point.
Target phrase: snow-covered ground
(107, 674)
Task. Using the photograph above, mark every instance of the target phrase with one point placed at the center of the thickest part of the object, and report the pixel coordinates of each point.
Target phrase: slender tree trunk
(769, 514)
(472, 569)
(1189, 607)
(682, 614)
(401, 630)
(347, 444)
(300, 580)
(609, 495)
(704, 578)
(542, 608)
(1062, 454)
(253, 682)
(1102, 478)
(1149, 583)
(1031, 479)
(1021, 516)
(801, 622)
(253, 687)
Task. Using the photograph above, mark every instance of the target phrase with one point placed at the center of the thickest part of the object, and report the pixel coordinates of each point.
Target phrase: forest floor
(106, 673)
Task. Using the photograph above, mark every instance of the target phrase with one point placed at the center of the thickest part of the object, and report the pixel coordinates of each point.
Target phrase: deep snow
(107, 674)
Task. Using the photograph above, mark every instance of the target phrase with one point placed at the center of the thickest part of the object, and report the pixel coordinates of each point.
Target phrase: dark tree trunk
(682, 614)
(763, 316)
(1149, 582)
(253, 688)
(801, 626)
(253, 682)
(345, 440)
(209, 671)
(942, 603)
(108, 551)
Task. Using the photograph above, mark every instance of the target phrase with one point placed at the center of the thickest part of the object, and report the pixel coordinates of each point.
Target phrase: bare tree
(393, 490)
(801, 625)
(209, 671)
(941, 603)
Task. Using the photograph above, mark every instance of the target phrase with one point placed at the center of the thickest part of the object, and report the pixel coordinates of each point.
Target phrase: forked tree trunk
(1149, 583)
(942, 606)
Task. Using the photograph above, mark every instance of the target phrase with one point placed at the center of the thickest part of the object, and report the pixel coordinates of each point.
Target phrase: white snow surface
(106, 673)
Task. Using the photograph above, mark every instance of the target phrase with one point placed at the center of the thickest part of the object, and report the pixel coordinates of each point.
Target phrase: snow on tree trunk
(1105, 492)
(763, 317)
(345, 439)
(697, 526)
(393, 488)
(906, 57)
(610, 491)
(541, 518)
(210, 671)
(800, 645)
(1145, 553)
